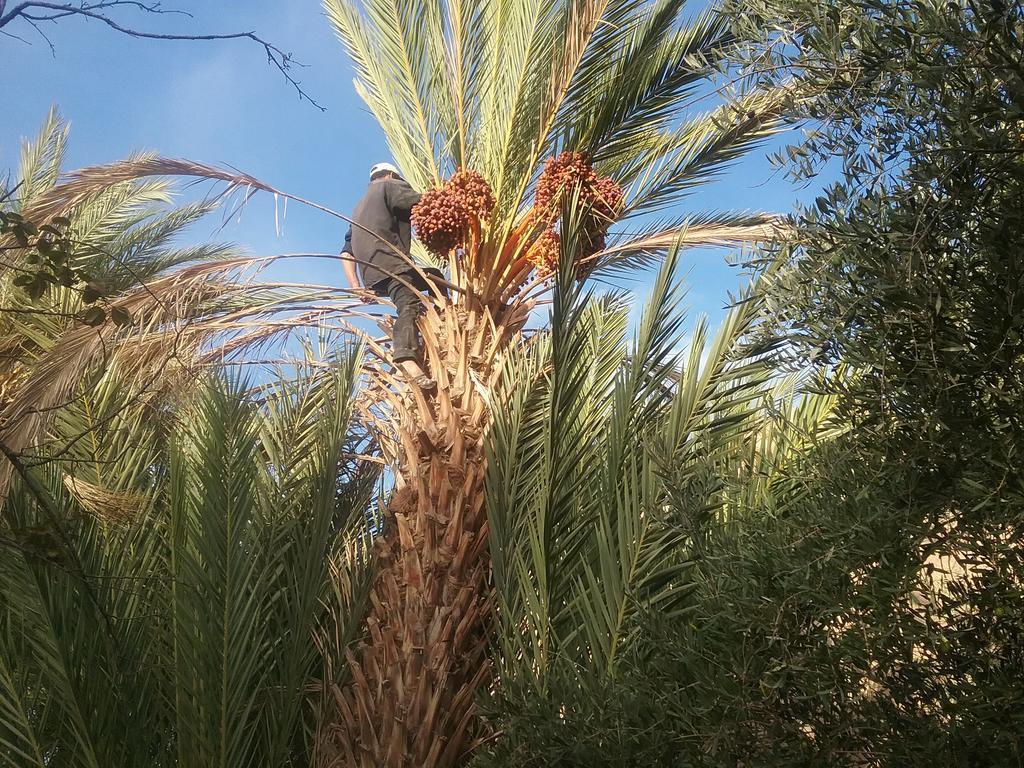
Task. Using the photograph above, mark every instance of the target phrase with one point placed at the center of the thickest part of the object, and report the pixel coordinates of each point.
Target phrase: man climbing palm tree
(507, 114)
(379, 242)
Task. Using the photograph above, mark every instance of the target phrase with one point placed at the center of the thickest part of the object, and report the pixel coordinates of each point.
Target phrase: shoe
(425, 384)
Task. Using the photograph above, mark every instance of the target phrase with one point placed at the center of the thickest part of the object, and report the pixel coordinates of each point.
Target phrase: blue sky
(219, 102)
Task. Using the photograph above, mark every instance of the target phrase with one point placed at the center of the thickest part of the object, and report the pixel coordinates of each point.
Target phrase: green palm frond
(516, 65)
(19, 740)
(198, 644)
(559, 46)
(386, 47)
(656, 66)
(676, 162)
(103, 216)
(766, 476)
(627, 29)
(145, 249)
(500, 85)
(594, 440)
(110, 452)
(47, 601)
(41, 159)
(457, 53)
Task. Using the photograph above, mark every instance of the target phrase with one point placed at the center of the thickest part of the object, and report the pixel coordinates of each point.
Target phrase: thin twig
(284, 62)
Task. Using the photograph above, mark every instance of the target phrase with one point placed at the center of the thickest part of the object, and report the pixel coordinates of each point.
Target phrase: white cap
(382, 168)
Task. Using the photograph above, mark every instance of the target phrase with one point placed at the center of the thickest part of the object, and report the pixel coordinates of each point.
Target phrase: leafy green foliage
(604, 463)
(857, 558)
(48, 252)
(909, 273)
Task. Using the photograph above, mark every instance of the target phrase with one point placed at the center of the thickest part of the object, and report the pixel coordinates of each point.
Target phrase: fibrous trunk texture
(410, 701)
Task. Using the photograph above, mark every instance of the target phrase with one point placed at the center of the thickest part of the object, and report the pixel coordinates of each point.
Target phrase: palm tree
(122, 236)
(181, 308)
(180, 554)
(84, 422)
(612, 469)
(164, 605)
(534, 126)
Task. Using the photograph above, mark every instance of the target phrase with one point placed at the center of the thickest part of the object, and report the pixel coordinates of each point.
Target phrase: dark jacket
(384, 211)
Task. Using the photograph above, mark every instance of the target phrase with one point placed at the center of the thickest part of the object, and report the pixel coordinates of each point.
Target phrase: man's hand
(365, 295)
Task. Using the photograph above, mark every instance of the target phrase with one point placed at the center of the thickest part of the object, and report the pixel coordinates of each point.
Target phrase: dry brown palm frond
(107, 505)
(81, 186)
(85, 183)
(197, 316)
(173, 316)
(268, 328)
(54, 377)
(175, 320)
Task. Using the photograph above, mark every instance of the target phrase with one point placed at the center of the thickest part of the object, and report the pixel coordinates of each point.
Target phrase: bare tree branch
(49, 42)
(36, 11)
(98, 6)
(19, 38)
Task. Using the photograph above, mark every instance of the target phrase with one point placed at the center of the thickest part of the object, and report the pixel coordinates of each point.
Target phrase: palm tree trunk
(415, 677)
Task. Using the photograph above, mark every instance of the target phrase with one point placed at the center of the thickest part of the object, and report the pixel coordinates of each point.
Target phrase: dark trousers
(409, 303)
